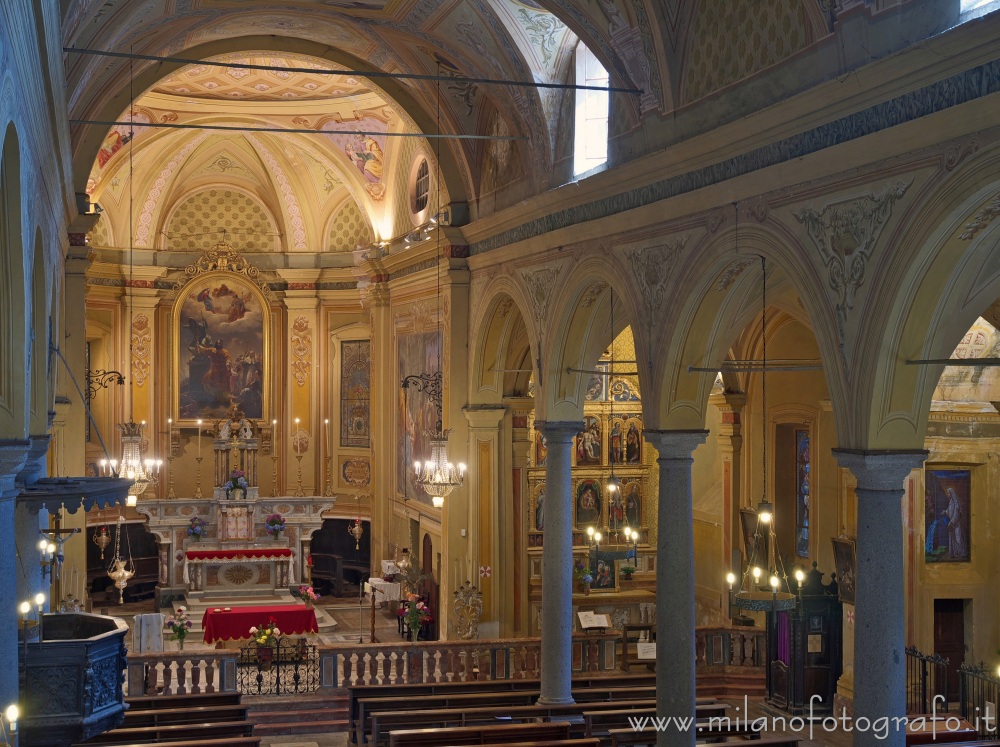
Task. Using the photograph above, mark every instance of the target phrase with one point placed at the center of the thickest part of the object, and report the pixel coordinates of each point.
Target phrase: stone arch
(39, 338)
(946, 271)
(723, 296)
(13, 349)
(581, 332)
(455, 172)
(496, 343)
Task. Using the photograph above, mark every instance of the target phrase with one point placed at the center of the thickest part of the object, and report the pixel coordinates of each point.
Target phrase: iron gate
(286, 667)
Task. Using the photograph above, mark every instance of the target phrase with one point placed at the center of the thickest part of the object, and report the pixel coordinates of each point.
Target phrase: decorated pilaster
(675, 592)
(302, 388)
(487, 535)
(730, 438)
(557, 563)
(880, 629)
(384, 393)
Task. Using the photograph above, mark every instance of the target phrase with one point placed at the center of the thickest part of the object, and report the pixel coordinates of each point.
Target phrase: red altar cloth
(278, 552)
(292, 619)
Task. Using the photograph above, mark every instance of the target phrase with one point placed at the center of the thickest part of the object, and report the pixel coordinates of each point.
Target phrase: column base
(543, 700)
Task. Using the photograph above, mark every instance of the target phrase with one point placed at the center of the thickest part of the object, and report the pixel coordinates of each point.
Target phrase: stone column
(13, 454)
(557, 563)
(675, 635)
(880, 627)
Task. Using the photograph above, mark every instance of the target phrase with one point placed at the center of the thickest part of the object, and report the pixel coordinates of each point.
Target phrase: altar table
(279, 560)
(291, 619)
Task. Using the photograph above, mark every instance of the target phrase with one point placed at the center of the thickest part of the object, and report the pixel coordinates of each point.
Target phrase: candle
(199, 437)
(295, 437)
(326, 421)
(274, 437)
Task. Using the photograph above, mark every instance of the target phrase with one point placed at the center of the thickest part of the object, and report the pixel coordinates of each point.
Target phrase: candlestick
(170, 458)
(197, 489)
(298, 487)
(295, 437)
(328, 489)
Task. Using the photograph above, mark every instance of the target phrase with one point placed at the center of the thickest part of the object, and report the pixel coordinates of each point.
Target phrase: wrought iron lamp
(355, 529)
(764, 584)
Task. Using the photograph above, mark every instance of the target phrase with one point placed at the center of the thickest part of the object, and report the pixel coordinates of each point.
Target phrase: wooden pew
(198, 732)
(631, 738)
(599, 722)
(393, 704)
(579, 742)
(469, 735)
(221, 742)
(409, 692)
(147, 702)
(383, 722)
(197, 714)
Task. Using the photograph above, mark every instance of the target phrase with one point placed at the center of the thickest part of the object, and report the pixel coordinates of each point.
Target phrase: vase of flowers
(274, 525)
(266, 639)
(416, 614)
(236, 486)
(306, 594)
(198, 528)
(627, 571)
(179, 625)
(582, 572)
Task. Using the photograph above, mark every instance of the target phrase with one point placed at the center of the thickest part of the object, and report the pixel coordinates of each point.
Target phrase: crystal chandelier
(437, 476)
(144, 473)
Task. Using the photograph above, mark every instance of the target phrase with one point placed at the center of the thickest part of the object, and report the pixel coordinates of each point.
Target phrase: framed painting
(541, 449)
(845, 560)
(221, 337)
(946, 515)
(632, 500)
(625, 439)
(605, 574)
(416, 354)
(588, 442)
(588, 504)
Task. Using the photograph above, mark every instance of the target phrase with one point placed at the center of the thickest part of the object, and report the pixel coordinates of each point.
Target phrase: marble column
(880, 632)
(675, 635)
(13, 455)
(557, 563)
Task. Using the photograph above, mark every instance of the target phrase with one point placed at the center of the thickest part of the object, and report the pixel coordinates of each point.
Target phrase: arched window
(590, 148)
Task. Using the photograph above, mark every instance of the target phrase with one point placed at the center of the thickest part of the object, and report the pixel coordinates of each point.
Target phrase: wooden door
(949, 638)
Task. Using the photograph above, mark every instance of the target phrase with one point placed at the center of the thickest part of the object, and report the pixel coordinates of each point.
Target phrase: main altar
(217, 550)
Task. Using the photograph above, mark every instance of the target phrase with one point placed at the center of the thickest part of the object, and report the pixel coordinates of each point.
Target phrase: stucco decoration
(301, 339)
(735, 269)
(214, 215)
(845, 231)
(349, 229)
(981, 219)
(652, 267)
(140, 348)
(539, 284)
(101, 234)
(288, 195)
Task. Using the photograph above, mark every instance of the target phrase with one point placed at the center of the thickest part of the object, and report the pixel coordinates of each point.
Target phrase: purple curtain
(784, 639)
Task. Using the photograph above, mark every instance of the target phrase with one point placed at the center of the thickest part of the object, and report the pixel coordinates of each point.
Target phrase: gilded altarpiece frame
(221, 341)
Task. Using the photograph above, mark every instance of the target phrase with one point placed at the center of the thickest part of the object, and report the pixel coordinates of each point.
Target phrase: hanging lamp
(764, 583)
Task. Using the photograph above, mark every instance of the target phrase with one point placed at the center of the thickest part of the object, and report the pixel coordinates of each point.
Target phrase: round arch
(724, 296)
(13, 377)
(90, 138)
(39, 324)
(496, 330)
(946, 280)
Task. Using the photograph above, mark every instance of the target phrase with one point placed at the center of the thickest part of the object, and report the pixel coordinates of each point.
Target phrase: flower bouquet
(179, 625)
(582, 572)
(198, 528)
(237, 481)
(416, 614)
(306, 594)
(266, 638)
(274, 525)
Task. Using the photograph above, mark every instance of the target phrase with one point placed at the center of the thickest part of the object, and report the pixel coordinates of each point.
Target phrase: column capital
(559, 431)
(880, 470)
(484, 416)
(675, 444)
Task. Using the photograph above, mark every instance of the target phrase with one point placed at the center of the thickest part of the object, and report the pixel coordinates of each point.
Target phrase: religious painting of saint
(541, 449)
(540, 508)
(605, 575)
(416, 354)
(844, 560)
(632, 503)
(221, 348)
(633, 440)
(588, 442)
(588, 504)
(597, 385)
(946, 515)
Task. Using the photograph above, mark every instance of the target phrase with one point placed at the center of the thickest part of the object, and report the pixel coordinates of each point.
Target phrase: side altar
(219, 547)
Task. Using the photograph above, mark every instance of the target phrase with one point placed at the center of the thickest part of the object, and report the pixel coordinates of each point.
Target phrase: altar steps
(302, 714)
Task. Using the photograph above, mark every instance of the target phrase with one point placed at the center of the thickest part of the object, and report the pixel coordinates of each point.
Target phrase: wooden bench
(173, 732)
(409, 691)
(469, 735)
(580, 742)
(197, 714)
(633, 738)
(148, 702)
(393, 705)
(599, 722)
(221, 742)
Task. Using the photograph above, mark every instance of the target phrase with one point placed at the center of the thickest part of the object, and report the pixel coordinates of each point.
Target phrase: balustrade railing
(730, 646)
(178, 673)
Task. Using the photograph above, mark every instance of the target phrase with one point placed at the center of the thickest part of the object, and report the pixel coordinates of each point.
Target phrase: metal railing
(926, 677)
(289, 666)
(978, 693)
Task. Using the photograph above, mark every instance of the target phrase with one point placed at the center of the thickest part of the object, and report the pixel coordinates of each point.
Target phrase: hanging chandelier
(764, 583)
(437, 476)
(144, 473)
